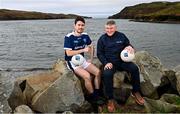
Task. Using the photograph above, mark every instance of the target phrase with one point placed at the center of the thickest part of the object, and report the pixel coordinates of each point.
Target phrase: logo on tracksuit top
(79, 43)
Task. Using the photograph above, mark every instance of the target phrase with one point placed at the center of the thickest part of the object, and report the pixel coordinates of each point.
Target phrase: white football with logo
(77, 60)
(126, 56)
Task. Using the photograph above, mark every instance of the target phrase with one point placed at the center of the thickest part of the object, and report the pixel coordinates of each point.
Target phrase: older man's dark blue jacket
(110, 47)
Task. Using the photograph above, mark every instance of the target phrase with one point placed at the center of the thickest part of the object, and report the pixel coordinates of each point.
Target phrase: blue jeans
(124, 66)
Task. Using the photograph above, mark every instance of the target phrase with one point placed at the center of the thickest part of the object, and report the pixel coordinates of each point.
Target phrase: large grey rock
(151, 70)
(59, 96)
(25, 88)
(53, 91)
(150, 67)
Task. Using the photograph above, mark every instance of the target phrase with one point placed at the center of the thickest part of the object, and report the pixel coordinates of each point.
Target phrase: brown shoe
(111, 105)
(138, 98)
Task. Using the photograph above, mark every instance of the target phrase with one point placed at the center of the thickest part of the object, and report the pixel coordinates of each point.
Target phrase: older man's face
(110, 29)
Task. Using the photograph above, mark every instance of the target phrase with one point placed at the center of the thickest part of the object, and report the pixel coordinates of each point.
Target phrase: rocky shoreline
(150, 21)
(59, 90)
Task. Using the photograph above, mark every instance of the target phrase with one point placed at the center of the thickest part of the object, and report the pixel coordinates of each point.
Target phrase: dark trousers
(125, 66)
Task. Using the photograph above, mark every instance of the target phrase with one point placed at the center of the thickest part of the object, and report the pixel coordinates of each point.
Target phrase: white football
(126, 56)
(77, 60)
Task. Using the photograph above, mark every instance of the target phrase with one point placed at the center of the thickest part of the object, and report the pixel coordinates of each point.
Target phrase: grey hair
(111, 22)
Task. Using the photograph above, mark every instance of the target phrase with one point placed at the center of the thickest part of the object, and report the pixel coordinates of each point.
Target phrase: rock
(170, 74)
(16, 97)
(25, 88)
(59, 66)
(168, 82)
(67, 112)
(121, 94)
(165, 105)
(177, 68)
(178, 81)
(23, 109)
(171, 98)
(60, 96)
(151, 70)
(149, 90)
(150, 67)
(49, 92)
(118, 79)
(5, 87)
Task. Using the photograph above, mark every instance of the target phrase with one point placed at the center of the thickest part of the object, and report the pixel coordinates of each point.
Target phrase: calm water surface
(39, 43)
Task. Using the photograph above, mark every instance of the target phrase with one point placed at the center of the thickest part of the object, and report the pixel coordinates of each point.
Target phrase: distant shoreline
(167, 22)
(6, 14)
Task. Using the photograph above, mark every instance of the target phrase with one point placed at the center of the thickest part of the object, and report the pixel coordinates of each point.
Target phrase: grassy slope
(156, 11)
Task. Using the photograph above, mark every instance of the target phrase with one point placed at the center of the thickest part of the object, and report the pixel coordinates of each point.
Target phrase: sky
(92, 8)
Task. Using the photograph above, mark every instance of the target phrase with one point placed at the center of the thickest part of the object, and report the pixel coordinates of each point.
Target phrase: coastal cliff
(151, 12)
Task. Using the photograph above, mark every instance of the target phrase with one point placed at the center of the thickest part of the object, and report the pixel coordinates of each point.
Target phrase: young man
(109, 47)
(78, 42)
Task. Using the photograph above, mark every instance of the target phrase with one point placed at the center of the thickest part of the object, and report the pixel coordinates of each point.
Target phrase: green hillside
(154, 12)
(26, 15)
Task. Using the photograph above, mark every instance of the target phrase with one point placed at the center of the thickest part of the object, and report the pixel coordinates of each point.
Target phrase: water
(39, 43)
(33, 44)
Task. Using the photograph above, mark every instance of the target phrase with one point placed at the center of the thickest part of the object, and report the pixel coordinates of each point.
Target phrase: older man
(109, 47)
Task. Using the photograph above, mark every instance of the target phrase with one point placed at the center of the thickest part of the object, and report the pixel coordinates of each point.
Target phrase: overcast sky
(93, 8)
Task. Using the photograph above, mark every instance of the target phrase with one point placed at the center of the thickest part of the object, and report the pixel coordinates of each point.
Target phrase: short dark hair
(79, 18)
(111, 22)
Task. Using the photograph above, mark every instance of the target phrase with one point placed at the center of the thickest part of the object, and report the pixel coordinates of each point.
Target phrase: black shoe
(99, 101)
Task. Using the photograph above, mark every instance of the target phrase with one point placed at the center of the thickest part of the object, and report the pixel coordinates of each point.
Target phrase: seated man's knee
(87, 77)
(134, 68)
(108, 73)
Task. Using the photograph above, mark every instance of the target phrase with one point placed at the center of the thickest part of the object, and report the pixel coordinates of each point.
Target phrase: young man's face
(110, 29)
(79, 27)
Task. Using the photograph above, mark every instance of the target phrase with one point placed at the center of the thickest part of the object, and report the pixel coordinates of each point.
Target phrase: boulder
(118, 79)
(23, 109)
(149, 90)
(170, 74)
(53, 91)
(168, 82)
(60, 96)
(150, 67)
(151, 71)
